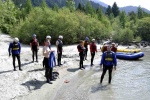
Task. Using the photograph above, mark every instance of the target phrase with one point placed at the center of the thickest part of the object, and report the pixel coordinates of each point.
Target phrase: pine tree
(28, 6)
(140, 12)
(115, 9)
(89, 8)
(108, 10)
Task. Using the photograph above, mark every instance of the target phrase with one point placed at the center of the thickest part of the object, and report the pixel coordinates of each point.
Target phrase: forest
(75, 21)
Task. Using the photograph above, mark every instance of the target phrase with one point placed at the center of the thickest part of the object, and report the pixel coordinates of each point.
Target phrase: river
(131, 81)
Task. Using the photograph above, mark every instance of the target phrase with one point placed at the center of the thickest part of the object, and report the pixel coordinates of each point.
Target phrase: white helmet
(60, 36)
(16, 39)
(93, 40)
(48, 37)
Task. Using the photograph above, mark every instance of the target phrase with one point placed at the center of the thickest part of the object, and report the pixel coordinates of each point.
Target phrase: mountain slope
(128, 9)
(101, 3)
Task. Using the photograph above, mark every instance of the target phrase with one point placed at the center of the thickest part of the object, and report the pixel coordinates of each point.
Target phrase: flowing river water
(131, 81)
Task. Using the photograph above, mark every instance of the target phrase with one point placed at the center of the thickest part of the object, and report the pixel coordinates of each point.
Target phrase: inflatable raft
(129, 56)
(128, 50)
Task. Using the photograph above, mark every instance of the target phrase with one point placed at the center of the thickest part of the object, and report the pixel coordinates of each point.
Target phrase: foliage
(124, 35)
(115, 9)
(144, 28)
(24, 19)
(8, 15)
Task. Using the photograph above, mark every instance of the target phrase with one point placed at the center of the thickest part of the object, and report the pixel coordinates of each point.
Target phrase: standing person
(15, 49)
(81, 54)
(108, 60)
(46, 54)
(59, 46)
(104, 47)
(86, 43)
(48, 39)
(34, 44)
(114, 48)
(93, 49)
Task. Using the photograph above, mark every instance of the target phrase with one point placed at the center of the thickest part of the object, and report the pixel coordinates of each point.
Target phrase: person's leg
(43, 62)
(47, 71)
(36, 54)
(86, 54)
(80, 64)
(14, 58)
(33, 55)
(103, 73)
(110, 74)
(58, 60)
(92, 57)
(19, 62)
(82, 59)
(50, 73)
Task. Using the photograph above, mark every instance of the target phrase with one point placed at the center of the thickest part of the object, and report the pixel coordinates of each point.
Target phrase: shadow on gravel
(33, 84)
(72, 69)
(41, 69)
(5, 71)
(26, 63)
(99, 87)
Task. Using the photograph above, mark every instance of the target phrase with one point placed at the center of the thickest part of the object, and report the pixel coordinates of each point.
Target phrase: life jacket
(109, 56)
(15, 46)
(80, 48)
(86, 44)
(93, 47)
(34, 42)
(60, 45)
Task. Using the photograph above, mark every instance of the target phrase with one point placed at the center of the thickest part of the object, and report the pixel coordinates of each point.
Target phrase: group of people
(49, 56)
(83, 49)
(108, 59)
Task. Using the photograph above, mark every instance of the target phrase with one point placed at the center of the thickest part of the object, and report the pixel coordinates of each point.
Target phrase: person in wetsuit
(81, 51)
(15, 49)
(108, 60)
(59, 46)
(34, 44)
(93, 49)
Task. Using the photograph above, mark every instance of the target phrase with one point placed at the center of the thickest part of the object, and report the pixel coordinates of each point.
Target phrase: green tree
(108, 10)
(89, 9)
(115, 9)
(71, 5)
(43, 4)
(140, 12)
(132, 16)
(55, 7)
(123, 19)
(28, 6)
(80, 7)
(100, 14)
(8, 16)
(144, 28)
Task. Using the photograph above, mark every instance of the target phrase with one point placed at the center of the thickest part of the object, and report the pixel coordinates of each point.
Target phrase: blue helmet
(34, 35)
(86, 39)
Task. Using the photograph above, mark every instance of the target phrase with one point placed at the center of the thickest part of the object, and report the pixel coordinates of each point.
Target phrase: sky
(122, 3)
